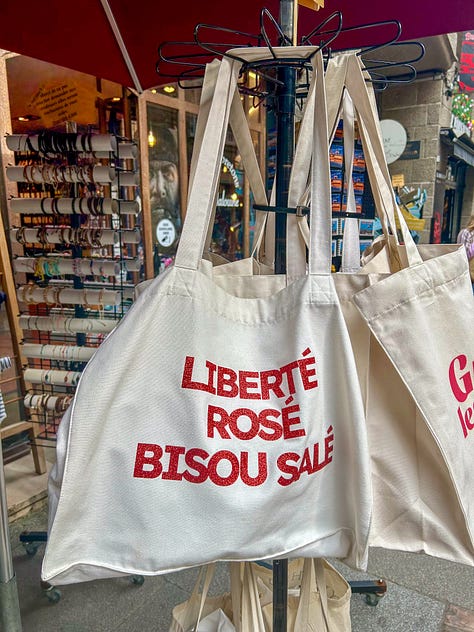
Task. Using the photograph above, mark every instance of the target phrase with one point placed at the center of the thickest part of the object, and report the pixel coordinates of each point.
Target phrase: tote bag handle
(206, 175)
(375, 156)
(300, 173)
(205, 182)
(243, 138)
(313, 581)
(364, 103)
(335, 88)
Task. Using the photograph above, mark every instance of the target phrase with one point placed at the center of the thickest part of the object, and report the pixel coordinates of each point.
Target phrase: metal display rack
(277, 87)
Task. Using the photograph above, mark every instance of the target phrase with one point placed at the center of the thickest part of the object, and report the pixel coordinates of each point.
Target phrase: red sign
(466, 66)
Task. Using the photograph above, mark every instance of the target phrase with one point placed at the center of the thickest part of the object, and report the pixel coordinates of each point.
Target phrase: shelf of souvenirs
(54, 266)
(64, 321)
(49, 144)
(45, 235)
(92, 295)
(44, 205)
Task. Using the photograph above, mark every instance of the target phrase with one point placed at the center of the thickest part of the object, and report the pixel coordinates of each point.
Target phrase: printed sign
(398, 180)
(466, 67)
(412, 150)
(165, 232)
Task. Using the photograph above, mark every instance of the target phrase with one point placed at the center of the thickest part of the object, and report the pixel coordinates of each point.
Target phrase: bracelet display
(85, 237)
(52, 143)
(47, 267)
(58, 352)
(70, 290)
(52, 174)
(62, 324)
(52, 376)
(51, 295)
(73, 206)
(51, 403)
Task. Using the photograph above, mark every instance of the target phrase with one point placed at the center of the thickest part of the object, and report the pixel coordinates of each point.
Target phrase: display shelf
(79, 244)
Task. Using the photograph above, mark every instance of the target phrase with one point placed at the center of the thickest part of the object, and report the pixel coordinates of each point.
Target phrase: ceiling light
(169, 89)
(25, 118)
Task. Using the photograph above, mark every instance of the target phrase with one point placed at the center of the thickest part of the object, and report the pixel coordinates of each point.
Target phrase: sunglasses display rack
(76, 242)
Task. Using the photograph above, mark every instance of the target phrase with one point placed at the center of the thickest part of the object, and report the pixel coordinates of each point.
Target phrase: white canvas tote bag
(201, 613)
(418, 504)
(419, 317)
(318, 596)
(218, 424)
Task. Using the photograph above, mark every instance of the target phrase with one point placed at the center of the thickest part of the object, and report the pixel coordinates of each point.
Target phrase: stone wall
(420, 107)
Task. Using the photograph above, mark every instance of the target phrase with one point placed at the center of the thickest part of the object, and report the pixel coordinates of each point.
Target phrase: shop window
(165, 203)
(167, 131)
(191, 120)
(227, 235)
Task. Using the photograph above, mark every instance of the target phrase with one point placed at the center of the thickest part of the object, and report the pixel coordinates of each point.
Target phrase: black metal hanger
(183, 67)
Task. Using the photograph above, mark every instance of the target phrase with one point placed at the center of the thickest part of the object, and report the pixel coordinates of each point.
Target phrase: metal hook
(402, 79)
(317, 29)
(283, 38)
(388, 64)
(394, 39)
(209, 46)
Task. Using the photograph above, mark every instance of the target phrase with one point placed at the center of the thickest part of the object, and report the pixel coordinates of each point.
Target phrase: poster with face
(164, 175)
(165, 202)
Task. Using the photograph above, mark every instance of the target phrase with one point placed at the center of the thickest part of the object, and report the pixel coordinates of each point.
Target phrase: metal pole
(9, 604)
(285, 113)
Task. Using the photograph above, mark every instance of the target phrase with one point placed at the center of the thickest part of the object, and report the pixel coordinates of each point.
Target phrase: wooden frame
(8, 283)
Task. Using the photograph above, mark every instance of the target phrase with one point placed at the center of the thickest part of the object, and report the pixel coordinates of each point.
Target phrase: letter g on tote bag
(218, 423)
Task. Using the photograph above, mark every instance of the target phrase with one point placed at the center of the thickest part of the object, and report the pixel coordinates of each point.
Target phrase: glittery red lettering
(244, 435)
(147, 461)
(215, 460)
(246, 383)
(187, 382)
(270, 382)
(289, 421)
(226, 382)
(195, 458)
(262, 473)
(217, 419)
(172, 474)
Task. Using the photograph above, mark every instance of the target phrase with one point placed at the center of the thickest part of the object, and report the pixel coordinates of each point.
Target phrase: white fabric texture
(218, 424)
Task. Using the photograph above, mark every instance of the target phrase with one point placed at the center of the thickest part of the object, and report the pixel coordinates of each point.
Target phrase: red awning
(78, 35)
